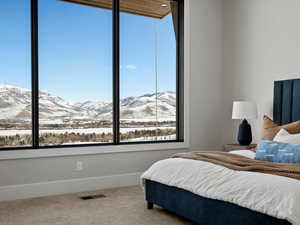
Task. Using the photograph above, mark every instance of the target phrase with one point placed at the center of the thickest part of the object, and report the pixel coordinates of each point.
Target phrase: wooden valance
(150, 8)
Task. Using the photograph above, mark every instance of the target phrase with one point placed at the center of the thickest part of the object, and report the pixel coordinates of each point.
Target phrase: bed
(204, 211)
(209, 194)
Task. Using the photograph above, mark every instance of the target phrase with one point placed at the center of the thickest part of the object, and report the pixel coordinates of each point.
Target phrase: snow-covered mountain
(15, 104)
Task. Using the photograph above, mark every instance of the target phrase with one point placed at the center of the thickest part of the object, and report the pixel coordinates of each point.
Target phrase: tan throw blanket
(241, 163)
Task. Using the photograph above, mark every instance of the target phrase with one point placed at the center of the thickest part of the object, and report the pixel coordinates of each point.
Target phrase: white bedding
(246, 153)
(273, 195)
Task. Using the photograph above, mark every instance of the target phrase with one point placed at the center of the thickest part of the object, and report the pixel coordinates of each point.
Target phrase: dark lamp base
(245, 134)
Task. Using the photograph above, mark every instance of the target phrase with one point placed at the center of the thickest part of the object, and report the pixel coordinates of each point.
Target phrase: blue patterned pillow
(273, 151)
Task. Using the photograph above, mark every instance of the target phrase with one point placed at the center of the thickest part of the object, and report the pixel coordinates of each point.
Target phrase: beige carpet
(121, 206)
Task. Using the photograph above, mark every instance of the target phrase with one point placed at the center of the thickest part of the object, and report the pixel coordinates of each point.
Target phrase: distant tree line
(25, 125)
(69, 138)
(17, 140)
(147, 133)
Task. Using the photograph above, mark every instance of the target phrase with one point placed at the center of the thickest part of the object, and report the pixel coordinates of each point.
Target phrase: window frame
(180, 83)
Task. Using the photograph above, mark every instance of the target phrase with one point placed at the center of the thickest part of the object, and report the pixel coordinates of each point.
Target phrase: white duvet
(273, 195)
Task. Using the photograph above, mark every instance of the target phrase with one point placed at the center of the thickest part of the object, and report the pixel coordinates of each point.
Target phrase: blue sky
(75, 52)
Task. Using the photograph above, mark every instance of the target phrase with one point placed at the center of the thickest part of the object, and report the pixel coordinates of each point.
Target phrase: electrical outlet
(79, 166)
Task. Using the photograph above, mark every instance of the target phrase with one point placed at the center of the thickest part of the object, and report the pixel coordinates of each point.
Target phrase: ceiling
(150, 8)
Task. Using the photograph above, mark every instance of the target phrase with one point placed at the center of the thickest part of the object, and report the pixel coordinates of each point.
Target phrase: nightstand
(232, 147)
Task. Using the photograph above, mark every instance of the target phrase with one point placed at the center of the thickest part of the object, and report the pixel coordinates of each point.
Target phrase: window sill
(91, 150)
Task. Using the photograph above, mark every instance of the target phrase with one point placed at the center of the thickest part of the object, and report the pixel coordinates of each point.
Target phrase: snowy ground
(159, 138)
(81, 131)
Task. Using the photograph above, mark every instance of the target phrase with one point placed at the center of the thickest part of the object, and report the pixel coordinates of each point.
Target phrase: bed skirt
(204, 211)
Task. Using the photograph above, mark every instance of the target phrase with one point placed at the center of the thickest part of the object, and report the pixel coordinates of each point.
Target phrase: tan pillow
(270, 128)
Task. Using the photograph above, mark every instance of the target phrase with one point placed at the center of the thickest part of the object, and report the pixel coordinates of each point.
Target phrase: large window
(148, 58)
(80, 72)
(75, 73)
(15, 74)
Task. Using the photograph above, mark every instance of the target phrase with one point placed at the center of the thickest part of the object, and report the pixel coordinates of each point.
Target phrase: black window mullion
(116, 71)
(180, 73)
(34, 73)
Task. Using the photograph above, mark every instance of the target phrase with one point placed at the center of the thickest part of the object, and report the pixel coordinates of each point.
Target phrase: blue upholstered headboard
(286, 102)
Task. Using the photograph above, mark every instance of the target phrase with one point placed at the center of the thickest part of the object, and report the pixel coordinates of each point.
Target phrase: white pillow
(285, 137)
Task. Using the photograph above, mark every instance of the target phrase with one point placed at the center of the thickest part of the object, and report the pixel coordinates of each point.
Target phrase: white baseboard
(23, 191)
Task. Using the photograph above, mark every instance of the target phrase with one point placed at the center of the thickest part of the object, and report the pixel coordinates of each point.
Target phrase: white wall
(261, 44)
(206, 76)
(25, 178)
(53, 175)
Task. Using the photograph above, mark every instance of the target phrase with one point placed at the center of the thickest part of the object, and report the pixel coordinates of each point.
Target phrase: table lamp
(244, 110)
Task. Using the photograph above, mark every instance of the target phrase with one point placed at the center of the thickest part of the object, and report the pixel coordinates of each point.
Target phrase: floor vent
(89, 197)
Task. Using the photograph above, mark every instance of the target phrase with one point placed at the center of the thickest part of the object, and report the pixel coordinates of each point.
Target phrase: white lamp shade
(244, 110)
